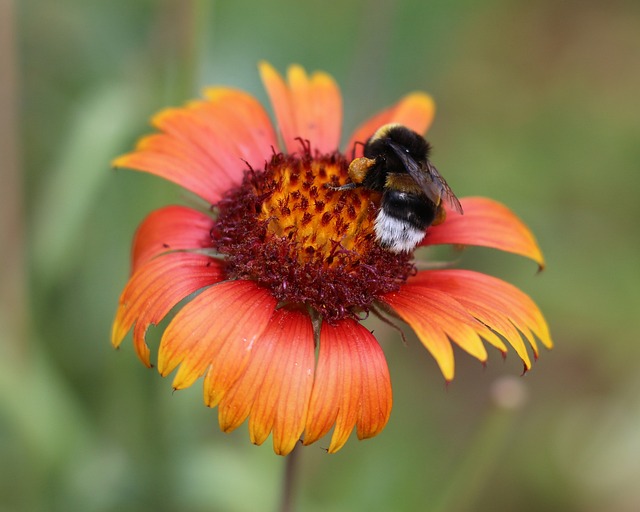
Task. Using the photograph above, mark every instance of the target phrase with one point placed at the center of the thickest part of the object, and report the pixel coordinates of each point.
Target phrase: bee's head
(392, 144)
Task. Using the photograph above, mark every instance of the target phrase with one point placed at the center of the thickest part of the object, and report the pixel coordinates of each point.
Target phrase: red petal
(438, 319)
(306, 107)
(486, 223)
(283, 397)
(155, 288)
(352, 386)
(415, 111)
(276, 385)
(216, 332)
(496, 303)
(204, 145)
(169, 229)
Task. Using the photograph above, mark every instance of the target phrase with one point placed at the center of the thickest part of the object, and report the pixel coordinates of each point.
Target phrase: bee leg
(346, 186)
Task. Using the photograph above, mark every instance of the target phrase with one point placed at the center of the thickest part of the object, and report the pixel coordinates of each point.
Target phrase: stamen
(310, 245)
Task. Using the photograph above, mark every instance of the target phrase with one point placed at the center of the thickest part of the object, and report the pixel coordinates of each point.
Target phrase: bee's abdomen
(403, 219)
(415, 209)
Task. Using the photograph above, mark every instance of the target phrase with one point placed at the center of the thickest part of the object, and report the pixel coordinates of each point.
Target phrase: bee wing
(443, 187)
(428, 178)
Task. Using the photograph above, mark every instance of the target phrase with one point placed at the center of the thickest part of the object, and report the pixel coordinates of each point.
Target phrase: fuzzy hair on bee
(396, 163)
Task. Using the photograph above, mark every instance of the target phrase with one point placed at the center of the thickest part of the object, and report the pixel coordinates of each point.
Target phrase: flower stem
(474, 471)
(288, 487)
(13, 292)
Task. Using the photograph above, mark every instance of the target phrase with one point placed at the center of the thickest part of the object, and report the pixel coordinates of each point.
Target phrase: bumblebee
(396, 163)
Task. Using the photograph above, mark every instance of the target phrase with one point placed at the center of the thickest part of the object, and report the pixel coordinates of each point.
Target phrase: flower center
(310, 245)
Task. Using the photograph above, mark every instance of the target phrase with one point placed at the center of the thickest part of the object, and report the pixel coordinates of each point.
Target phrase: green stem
(178, 40)
(13, 294)
(288, 487)
(195, 21)
(471, 475)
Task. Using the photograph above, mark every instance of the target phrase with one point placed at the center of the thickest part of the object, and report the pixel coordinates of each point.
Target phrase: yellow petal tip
(121, 161)
(266, 70)
(158, 120)
(118, 332)
(420, 99)
(215, 94)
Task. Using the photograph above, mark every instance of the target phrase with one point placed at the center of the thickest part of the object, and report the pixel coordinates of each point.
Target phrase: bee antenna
(353, 151)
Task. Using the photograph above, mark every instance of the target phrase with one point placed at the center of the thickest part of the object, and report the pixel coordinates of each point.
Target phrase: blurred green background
(537, 107)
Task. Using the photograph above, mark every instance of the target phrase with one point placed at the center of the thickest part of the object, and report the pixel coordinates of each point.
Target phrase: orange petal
(176, 161)
(246, 122)
(275, 388)
(155, 288)
(486, 223)
(205, 147)
(352, 386)
(496, 303)
(215, 332)
(169, 229)
(437, 318)
(376, 387)
(309, 108)
(415, 111)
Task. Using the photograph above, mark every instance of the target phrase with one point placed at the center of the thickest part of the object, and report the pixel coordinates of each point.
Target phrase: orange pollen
(287, 229)
(320, 222)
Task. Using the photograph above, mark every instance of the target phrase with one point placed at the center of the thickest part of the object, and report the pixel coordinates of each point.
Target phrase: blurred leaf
(98, 131)
(42, 410)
